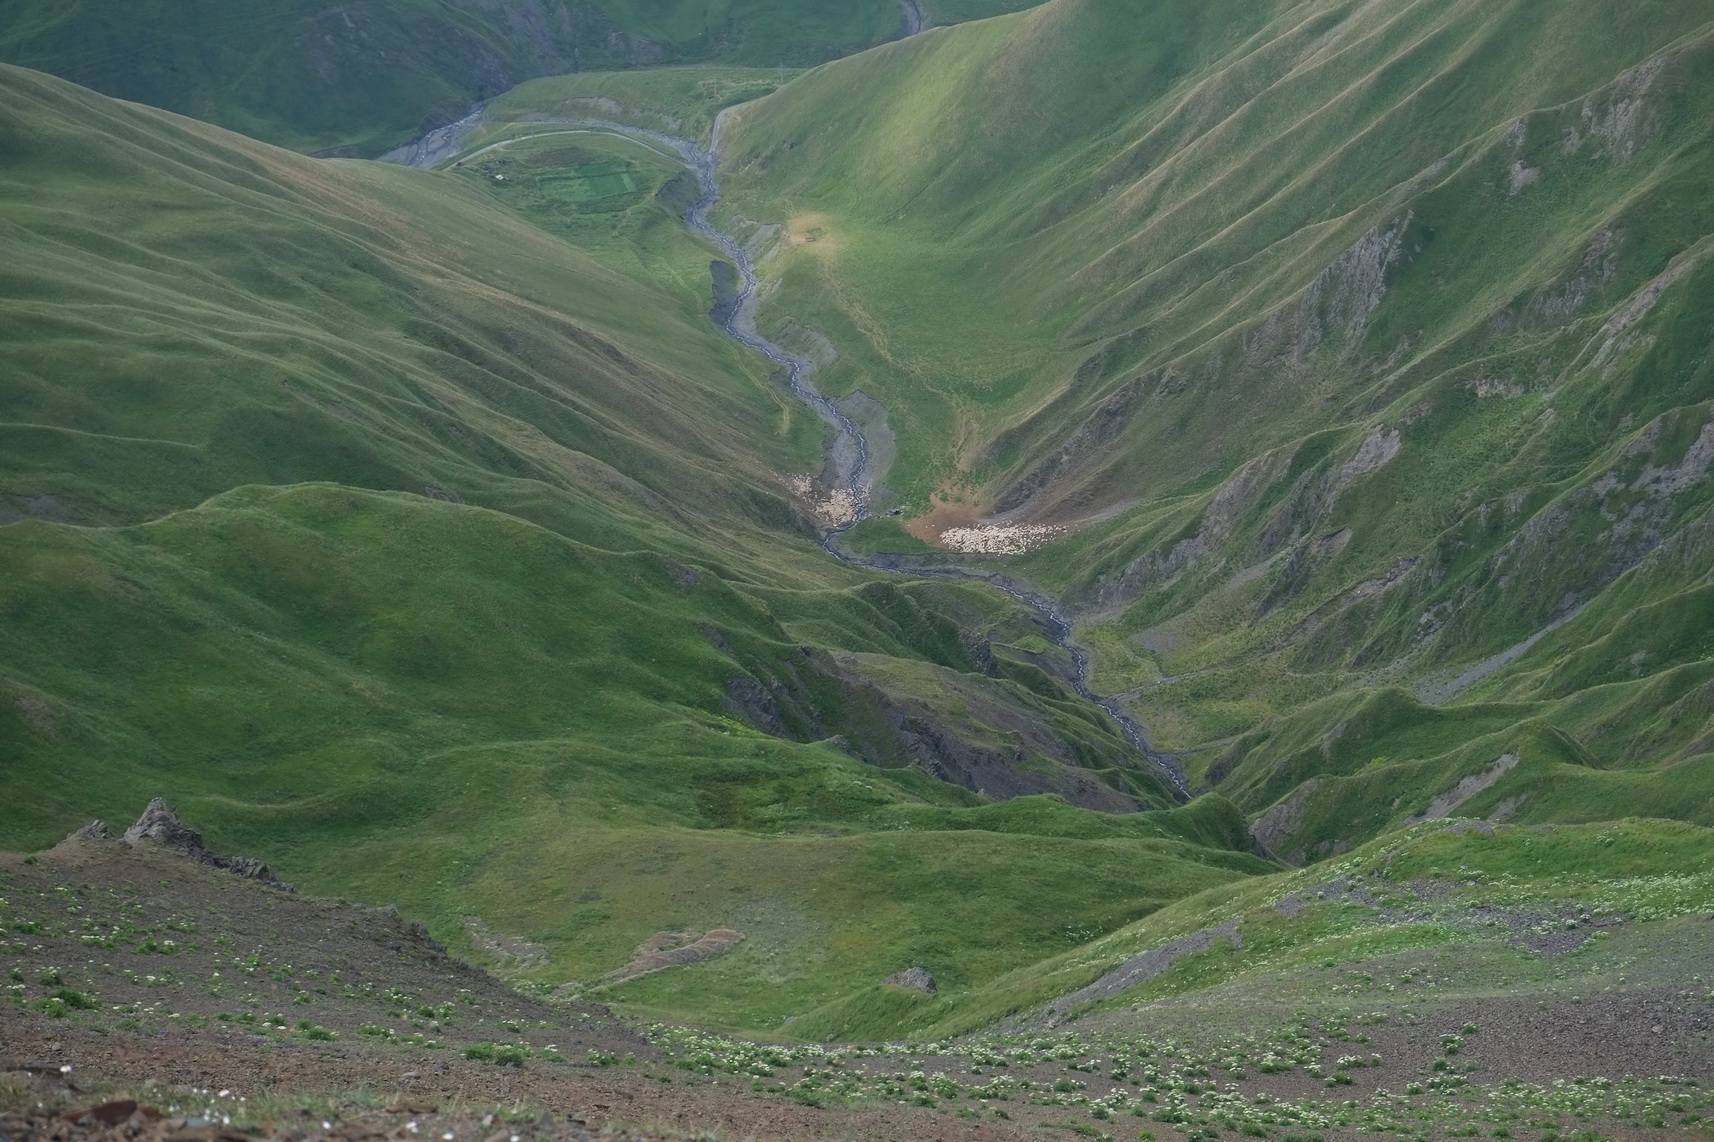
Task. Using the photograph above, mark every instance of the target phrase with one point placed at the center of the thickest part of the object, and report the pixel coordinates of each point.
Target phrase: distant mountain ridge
(360, 77)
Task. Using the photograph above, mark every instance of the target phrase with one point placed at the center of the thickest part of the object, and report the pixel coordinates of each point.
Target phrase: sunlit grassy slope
(373, 74)
(401, 541)
(1362, 349)
(188, 313)
(1421, 901)
(442, 705)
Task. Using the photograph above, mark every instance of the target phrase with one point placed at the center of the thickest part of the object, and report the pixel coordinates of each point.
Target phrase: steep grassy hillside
(365, 77)
(187, 314)
(1455, 980)
(1374, 996)
(400, 699)
(410, 545)
(1344, 366)
(1351, 360)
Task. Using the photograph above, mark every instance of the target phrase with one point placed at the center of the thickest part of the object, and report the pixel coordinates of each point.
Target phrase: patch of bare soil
(674, 949)
(943, 515)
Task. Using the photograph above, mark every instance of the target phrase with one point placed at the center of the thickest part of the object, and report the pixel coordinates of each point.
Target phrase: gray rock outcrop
(160, 824)
(915, 979)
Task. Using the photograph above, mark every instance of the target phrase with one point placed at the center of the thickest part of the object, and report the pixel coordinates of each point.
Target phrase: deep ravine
(849, 478)
(740, 323)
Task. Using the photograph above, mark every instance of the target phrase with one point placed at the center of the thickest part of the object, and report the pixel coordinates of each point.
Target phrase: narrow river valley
(849, 479)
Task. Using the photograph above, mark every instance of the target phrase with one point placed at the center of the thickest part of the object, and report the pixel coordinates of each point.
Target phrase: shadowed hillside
(364, 77)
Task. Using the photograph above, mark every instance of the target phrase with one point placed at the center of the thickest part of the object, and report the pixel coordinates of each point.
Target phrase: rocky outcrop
(913, 979)
(1334, 307)
(728, 289)
(1095, 434)
(751, 701)
(510, 951)
(936, 747)
(162, 826)
(985, 740)
(1135, 972)
(964, 731)
(1443, 805)
(1276, 828)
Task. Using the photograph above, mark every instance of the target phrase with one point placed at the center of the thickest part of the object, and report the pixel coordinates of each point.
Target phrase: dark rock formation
(728, 286)
(160, 824)
(96, 830)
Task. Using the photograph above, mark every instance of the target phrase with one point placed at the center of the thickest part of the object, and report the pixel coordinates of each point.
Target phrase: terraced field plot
(589, 181)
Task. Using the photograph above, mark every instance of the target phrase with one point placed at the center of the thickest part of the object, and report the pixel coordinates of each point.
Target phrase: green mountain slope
(1337, 936)
(409, 544)
(368, 76)
(1352, 357)
(1343, 365)
(245, 317)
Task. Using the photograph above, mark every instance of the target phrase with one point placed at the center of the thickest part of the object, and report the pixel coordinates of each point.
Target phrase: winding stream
(740, 324)
(851, 463)
(849, 452)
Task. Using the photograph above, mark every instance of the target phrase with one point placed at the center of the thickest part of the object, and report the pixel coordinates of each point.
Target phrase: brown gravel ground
(339, 967)
(92, 919)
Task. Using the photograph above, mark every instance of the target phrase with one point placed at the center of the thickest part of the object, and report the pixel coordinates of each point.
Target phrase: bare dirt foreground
(157, 992)
(224, 1007)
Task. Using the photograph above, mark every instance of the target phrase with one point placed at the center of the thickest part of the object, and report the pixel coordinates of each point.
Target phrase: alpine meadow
(907, 569)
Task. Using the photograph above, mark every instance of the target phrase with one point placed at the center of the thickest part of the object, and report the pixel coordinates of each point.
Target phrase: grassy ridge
(399, 698)
(1358, 346)
(343, 321)
(1063, 206)
(673, 100)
